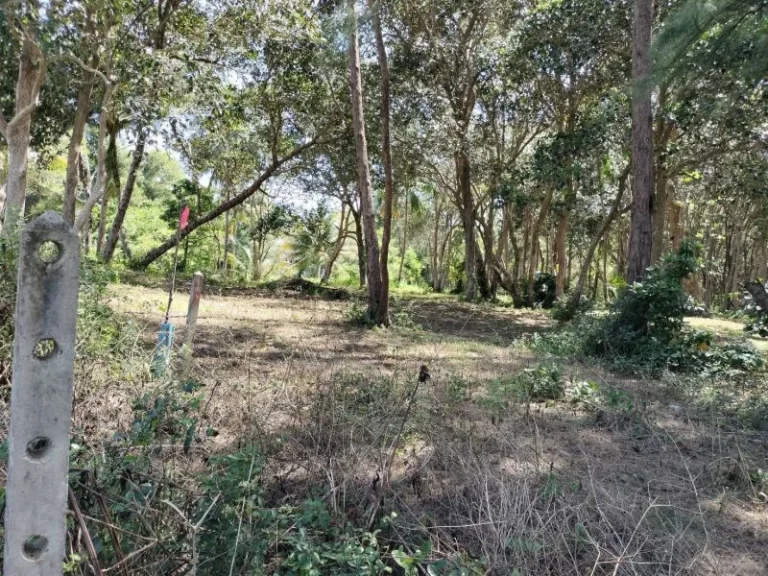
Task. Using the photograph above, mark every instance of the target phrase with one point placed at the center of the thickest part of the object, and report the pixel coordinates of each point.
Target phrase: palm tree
(313, 240)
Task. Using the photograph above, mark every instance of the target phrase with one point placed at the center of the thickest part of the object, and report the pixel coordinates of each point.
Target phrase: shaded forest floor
(641, 478)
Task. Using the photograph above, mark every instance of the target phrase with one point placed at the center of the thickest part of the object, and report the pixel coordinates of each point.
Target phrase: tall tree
(377, 311)
(386, 157)
(447, 41)
(641, 232)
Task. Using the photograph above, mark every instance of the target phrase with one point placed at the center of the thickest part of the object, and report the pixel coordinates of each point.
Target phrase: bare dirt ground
(653, 488)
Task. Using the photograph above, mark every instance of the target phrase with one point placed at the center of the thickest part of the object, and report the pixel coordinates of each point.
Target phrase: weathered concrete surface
(41, 401)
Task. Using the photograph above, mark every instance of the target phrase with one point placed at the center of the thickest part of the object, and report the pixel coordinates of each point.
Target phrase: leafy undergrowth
(643, 331)
(254, 462)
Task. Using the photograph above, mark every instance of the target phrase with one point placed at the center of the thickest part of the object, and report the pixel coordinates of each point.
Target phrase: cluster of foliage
(647, 316)
(537, 103)
(643, 330)
(542, 383)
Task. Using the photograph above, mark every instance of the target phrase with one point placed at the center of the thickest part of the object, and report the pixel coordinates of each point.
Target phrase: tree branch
(235, 200)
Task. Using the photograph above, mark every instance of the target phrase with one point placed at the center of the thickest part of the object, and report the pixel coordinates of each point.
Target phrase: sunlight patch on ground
(726, 328)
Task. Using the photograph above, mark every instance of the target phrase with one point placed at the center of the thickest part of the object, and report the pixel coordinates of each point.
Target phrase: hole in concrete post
(44, 348)
(37, 447)
(34, 546)
(49, 251)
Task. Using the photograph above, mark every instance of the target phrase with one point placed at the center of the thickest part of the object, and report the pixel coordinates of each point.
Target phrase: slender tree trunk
(605, 269)
(17, 131)
(534, 241)
(435, 247)
(112, 177)
(84, 173)
(504, 236)
(518, 263)
(125, 197)
(597, 280)
(604, 227)
(225, 263)
(659, 213)
(360, 241)
(75, 144)
(386, 157)
(560, 252)
(444, 250)
(660, 199)
(526, 252)
(363, 173)
(467, 220)
(641, 238)
(490, 254)
(676, 227)
(404, 243)
(338, 245)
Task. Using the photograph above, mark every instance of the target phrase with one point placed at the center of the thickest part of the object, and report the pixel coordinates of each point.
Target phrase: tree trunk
(659, 213)
(660, 199)
(363, 174)
(534, 241)
(560, 252)
(112, 177)
(404, 242)
(576, 293)
(360, 246)
(84, 173)
(467, 220)
(225, 261)
(386, 158)
(445, 249)
(75, 144)
(605, 269)
(125, 197)
(17, 131)
(338, 245)
(434, 252)
(641, 239)
(84, 217)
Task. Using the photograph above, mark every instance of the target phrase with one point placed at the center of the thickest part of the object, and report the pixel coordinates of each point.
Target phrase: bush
(565, 311)
(544, 285)
(647, 315)
(644, 330)
(532, 384)
(757, 317)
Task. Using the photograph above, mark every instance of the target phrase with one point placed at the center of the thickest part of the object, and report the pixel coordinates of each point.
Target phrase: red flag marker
(184, 218)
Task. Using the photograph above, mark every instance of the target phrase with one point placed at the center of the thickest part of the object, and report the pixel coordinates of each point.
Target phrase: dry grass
(550, 489)
(547, 488)
(726, 328)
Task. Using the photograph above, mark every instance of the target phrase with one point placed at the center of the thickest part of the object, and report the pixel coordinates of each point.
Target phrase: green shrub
(532, 384)
(564, 310)
(647, 316)
(644, 331)
(305, 538)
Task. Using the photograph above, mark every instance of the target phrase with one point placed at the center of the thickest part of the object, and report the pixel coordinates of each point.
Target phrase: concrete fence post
(41, 398)
(195, 292)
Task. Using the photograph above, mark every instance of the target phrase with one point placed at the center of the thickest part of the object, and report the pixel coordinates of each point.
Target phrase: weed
(530, 385)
